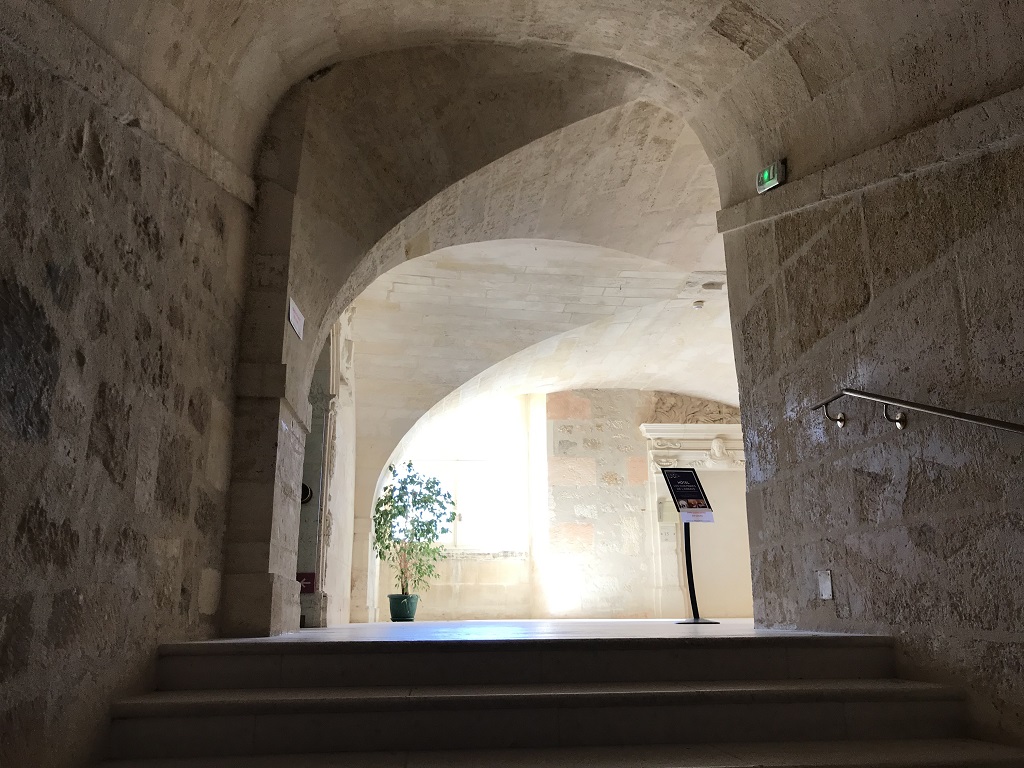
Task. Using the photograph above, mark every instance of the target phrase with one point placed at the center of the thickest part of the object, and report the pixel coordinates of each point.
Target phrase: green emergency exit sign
(771, 177)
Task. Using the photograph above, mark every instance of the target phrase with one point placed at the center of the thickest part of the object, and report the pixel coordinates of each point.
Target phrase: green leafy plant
(410, 516)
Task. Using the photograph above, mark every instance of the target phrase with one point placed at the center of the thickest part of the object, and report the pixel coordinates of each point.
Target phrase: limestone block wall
(121, 272)
(602, 536)
(896, 272)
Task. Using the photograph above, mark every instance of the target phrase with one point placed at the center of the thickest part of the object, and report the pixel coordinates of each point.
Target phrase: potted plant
(410, 516)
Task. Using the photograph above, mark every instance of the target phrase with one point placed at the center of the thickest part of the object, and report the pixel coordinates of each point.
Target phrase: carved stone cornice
(702, 446)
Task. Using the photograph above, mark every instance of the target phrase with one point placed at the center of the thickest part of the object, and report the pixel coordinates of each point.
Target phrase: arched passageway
(654, 193)
(132, 154)
(518, 316)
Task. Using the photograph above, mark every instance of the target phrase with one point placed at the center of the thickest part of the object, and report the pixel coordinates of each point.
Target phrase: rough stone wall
(120, 291)
(897, 272)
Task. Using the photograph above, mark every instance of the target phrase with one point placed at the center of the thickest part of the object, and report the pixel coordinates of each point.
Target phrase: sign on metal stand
(693, 507)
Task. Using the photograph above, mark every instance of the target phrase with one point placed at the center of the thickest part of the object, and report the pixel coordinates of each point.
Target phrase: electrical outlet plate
(824, 584)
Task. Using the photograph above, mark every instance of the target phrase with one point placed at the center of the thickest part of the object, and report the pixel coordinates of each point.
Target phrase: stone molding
(701, 446)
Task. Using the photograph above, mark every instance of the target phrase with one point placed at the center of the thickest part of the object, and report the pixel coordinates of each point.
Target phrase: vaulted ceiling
(814, 79)
(530, 315)
(453, 122)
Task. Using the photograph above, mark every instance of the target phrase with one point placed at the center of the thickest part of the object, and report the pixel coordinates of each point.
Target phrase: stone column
(260, 595)
(315, 606)
(340, 503)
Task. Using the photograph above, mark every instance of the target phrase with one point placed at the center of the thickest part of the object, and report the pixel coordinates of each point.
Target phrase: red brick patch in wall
(636, 470)
(566, 405)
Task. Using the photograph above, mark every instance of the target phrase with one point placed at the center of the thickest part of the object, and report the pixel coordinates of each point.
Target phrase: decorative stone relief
(672, 408)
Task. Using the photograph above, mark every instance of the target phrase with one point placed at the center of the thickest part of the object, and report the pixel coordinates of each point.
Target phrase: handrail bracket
(839, 419)
(900, 419)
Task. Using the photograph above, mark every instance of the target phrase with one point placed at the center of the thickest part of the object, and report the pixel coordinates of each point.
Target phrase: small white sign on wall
(295, 317)
(824, 584)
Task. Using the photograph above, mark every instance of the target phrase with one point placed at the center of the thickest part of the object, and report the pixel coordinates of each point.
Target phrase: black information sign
(694, 507)
(688, 495)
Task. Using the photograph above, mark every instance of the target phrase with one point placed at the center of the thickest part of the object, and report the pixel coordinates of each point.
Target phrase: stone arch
(653, 192)
(430, 324)
(524, 315)
(662, 209)
(879, 106)
(761, 82)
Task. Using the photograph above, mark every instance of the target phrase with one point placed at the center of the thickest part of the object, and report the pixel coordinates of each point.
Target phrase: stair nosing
(993, 755)
(394, 698)
(265, 646)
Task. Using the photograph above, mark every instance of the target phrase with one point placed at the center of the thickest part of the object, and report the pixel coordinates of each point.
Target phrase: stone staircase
(727, 702)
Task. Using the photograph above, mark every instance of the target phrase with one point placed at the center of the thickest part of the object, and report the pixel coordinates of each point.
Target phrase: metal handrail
(900, 419)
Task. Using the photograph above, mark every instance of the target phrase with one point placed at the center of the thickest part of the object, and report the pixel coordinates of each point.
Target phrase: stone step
(222, 723)
(939, 753)
(296, 664)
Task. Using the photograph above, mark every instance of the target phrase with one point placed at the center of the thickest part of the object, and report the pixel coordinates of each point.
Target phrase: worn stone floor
(560, 629)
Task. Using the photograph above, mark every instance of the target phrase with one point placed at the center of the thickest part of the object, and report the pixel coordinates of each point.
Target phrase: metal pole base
(698, 621)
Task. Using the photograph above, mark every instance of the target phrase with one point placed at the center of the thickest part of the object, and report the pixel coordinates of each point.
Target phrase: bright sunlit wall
(481, 453)
(553, 516)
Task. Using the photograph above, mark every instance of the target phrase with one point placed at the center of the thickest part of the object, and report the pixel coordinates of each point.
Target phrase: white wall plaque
(295, 317)
(824, 584)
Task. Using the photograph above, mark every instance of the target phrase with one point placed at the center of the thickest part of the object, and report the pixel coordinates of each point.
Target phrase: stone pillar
(260, 595)
(315, 605)
(340, 485)
(365, 571)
